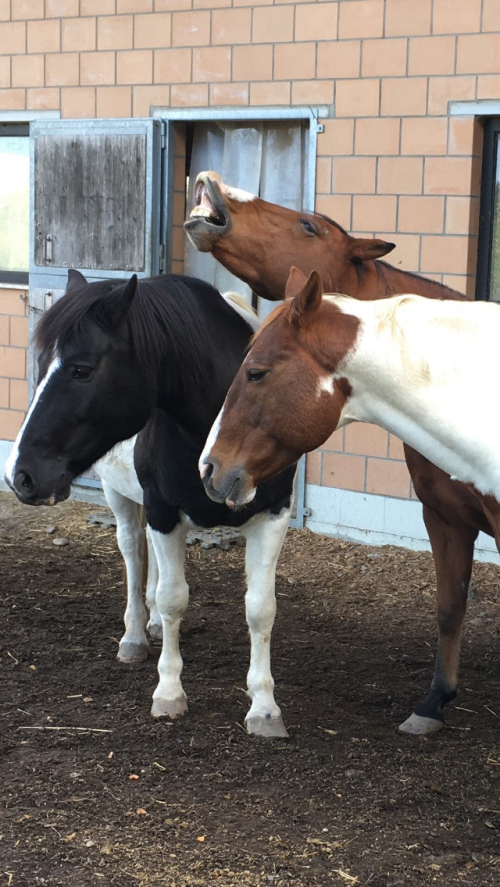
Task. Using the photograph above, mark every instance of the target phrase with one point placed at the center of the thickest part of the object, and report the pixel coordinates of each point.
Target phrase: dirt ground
(95, 792)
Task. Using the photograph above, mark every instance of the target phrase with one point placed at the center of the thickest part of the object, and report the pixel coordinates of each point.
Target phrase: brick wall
(392, 163)
(13, 361)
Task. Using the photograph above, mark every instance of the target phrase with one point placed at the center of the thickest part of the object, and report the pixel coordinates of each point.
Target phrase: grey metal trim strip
(248, 112)
(478, 108)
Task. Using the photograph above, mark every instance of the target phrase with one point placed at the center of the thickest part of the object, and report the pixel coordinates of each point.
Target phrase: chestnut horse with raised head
(319, 363)
(259, 242)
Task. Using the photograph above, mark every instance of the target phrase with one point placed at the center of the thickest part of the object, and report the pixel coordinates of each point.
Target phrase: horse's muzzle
(231, 487)
(29, 492)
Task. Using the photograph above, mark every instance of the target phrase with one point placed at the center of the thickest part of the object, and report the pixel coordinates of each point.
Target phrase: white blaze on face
(212, 437)
(325, 383)
(10, 465)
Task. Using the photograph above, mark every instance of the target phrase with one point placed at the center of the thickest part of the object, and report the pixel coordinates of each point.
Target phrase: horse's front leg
(134, 646)
(265, 535)
(172, 596)
(453, 550)
(154, 622)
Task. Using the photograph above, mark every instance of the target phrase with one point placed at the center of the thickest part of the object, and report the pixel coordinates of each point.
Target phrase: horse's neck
(376, 280)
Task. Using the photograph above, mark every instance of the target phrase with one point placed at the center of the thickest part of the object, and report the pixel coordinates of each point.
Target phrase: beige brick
(12, 362)
(445, 89)
(400, 175)
(211, 64)
(27, 70)
(97, 7)
(491, 15)
(478, 54)
(44, 36)
(229, 94)
(462, 283)
(12, 99)
(396, 449)
(114, 101)
(5, 10)
(295, 61)
(387, 478)
(78, 101)
(12, 37)
(306, 92)
(210, 4)
(361, 18)
(316, 22)
(357, 98)
(4, 329)
(374, 213)
(195, 95)
(152, 30)
(424, 135)
(172, 5)
(366, 440)
(448, 175)
(337, 137)
(19, 332)
(252, 63)
(335, 443)
(337, 207)
(191, 28)
(421, 215)
(431, 55)
(354, 175)
(273, 24)
(405, 18)
(231, 26)
(270, 93)
(78, 34)
(146, 97)
(343, 471)
(11, 302)
(27, 9)
(456, 16)
(43, 99)
(61, 8)
(115, 32)
(133, 6)
(313, 468)
(5, 72)
(404, 97)
(19, 398)
(97, 68)
(134, 67)
(462, 215)
(406, 255)
(384, 58)
(10, 423)
(323, 175)
(252, 3)
(445, 255)
(61, 70)
(377, 137)
(172, 66)
(463, 135)
(4, 394)
(488, 86)
(339, 59)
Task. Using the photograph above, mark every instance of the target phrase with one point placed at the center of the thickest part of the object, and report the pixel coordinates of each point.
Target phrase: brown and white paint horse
(259, 242)
(404, 363)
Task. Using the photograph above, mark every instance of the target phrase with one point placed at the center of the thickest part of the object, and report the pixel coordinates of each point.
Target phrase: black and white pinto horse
(119, 358)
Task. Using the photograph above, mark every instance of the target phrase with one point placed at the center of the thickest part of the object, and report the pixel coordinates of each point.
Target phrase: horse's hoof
(155, 631)
(131, 654)
(269, 728)
(169, 708)
(418, 725)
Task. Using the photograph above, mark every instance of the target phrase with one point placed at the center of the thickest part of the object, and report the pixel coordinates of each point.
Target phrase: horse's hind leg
(134, 645)
(453, 550)
(154, 622)
(265, 535)
(172, 596)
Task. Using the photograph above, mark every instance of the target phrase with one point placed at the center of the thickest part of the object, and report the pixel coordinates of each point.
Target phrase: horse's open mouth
(205, 203)
(210, 217)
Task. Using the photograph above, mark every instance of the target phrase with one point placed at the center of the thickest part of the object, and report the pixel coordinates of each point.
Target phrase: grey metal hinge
(162, 257)
(163, 125)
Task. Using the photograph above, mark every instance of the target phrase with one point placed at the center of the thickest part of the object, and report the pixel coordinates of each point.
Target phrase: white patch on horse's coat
(117, 469)
(10, 465)
(238, 194)
(325, 384)
(239, 304)
(212, 437)
(425, 370)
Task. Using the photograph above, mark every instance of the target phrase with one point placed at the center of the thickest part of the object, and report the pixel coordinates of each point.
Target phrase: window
(14, 203)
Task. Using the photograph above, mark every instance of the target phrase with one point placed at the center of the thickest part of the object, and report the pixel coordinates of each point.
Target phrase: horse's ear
(308, 299)
(295, 282)
(116, 303)
(76, 281)
(364, 248)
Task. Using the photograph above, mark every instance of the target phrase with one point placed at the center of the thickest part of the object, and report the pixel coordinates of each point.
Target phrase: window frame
(491, 143)
(16, 278)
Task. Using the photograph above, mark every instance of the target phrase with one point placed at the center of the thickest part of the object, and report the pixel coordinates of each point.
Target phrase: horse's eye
(256, 375)
(81, 373)
(308, 227)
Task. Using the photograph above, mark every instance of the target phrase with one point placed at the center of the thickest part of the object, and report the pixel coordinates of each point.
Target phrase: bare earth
(95, 792)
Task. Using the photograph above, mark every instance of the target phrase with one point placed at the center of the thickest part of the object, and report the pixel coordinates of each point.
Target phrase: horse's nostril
(24, 480)
(208, 470)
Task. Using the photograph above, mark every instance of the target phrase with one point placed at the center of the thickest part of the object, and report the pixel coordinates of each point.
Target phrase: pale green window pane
(14, 203)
